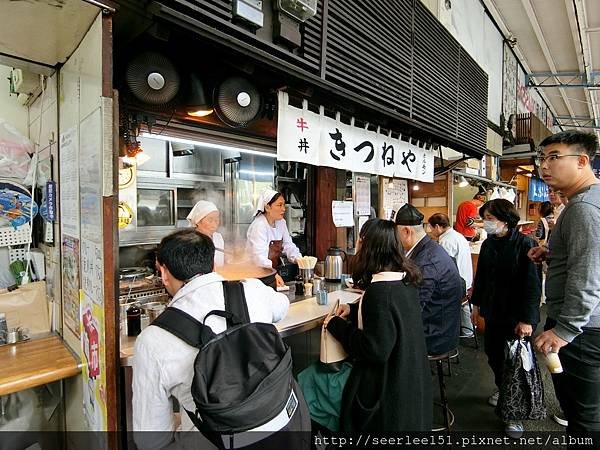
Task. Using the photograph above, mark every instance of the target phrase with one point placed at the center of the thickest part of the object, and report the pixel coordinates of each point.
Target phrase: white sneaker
(493, 399)
(560, 420)
(514, 429)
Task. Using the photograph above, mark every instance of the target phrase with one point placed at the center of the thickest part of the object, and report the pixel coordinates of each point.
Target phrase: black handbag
(522, 391)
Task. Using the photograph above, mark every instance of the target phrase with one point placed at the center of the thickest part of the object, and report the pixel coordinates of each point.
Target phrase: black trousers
(495, 337)
(578, 387)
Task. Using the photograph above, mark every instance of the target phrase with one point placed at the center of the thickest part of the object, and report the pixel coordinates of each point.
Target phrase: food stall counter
(302, 316)
(34, 363)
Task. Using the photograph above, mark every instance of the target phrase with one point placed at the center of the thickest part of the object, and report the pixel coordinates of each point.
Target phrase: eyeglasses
(551, 158)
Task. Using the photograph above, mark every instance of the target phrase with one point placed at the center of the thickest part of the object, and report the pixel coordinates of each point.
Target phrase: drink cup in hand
(553, 362)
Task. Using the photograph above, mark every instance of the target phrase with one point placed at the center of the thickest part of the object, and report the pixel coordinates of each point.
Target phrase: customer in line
(163, 365)
(389, 388)
(457, 246)
(573, 280)
(205, 217)
(442, 289)
(507, 288)
(542, 231)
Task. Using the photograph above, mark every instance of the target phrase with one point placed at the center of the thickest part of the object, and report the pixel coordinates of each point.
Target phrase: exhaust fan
(237, 102)
(152, 78)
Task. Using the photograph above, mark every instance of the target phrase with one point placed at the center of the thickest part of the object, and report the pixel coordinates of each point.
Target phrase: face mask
(492, 226)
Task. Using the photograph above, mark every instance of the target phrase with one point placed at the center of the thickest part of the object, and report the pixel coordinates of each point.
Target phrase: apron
(275, 248)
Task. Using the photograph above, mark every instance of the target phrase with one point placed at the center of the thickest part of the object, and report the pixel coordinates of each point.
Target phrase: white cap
(200, 210)
(265, 197)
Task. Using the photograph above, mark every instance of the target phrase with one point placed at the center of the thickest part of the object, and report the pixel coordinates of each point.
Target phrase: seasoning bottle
(134, 320)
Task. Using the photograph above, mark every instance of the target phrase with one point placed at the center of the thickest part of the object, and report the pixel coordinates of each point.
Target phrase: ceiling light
(391, 184)
(196, 104)
(415, 187)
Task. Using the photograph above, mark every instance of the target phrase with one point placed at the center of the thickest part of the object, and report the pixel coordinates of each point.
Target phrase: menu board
(395, 195)
(362, 195)
(343, 213)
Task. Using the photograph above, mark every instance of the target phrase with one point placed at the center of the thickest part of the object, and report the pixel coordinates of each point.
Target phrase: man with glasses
(573, 278)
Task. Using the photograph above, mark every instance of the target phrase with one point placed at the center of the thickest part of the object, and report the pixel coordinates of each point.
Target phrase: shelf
(290, 180)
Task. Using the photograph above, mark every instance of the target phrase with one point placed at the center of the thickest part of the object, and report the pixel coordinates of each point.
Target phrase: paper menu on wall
(362, 195)
(343, 213)
(395, 195)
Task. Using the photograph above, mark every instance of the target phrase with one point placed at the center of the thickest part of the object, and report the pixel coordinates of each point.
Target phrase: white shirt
(260, 234)
(219, 249)
(163, 365)
(458, 248)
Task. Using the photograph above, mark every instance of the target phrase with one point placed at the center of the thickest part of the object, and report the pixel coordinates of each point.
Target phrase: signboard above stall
(308, 137)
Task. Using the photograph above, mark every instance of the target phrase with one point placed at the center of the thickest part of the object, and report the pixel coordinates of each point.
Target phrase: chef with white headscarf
(204, 216)
(268, 235)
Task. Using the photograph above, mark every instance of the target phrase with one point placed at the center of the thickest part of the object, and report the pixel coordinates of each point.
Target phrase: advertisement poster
(94, 369)
(70, 284)
(90, 177)
(69, 182)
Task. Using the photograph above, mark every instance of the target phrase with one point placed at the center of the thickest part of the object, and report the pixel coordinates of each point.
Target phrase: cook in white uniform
(205, 217)
(268, 235)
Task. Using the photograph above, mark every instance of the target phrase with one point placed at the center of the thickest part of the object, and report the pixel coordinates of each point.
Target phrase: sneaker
(466, 334)
(493, 399)
(514, 429)
(560, 420)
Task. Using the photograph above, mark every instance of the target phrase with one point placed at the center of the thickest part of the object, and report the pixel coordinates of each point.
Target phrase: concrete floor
(472, 383)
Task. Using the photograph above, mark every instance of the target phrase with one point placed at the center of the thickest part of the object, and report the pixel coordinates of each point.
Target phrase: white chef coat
(260, 234)
(219, 249)
(163, 365)
(458, 248)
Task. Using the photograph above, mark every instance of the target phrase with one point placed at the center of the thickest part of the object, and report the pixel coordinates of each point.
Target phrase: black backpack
(242, 377)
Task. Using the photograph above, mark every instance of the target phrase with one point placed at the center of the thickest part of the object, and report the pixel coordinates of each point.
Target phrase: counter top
(302, 316)
(34, 363)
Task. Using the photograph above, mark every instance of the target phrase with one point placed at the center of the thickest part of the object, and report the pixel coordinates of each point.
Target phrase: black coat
(507, 286)
(389, 388)
(440, 294)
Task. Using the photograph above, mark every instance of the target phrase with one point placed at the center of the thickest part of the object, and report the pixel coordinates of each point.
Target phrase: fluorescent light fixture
(208, 145)
(256, 173)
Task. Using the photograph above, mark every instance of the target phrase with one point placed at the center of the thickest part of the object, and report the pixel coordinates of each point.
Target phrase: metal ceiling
(558, 43)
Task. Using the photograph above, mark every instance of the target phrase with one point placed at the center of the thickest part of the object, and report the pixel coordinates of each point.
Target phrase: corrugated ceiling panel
(435, 74)
(369, 49)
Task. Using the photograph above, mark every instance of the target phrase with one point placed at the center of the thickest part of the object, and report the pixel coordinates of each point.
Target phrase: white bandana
(265, 197)
(200, 210)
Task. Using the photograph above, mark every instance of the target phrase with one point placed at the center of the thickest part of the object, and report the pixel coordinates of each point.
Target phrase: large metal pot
(236, 272)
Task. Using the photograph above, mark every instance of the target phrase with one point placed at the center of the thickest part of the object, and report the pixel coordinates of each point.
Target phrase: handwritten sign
(343, 213)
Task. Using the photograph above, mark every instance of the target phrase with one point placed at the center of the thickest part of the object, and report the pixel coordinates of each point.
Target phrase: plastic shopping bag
(522, 390)
(15, 152)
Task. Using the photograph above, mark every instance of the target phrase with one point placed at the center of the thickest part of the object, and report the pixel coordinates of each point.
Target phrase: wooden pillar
(325, 192)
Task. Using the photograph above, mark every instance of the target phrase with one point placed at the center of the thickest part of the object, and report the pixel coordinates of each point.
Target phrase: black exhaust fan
(152, 78)
(237, 102)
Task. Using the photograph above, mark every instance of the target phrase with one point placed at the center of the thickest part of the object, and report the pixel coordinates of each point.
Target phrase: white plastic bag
(15, 152)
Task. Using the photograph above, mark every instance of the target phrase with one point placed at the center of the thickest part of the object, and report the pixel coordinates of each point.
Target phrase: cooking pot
(236, 272)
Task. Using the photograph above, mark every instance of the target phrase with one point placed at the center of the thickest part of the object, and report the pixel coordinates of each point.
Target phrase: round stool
(439, 362)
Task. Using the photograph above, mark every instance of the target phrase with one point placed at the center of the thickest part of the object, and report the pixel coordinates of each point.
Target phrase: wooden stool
(439, 362)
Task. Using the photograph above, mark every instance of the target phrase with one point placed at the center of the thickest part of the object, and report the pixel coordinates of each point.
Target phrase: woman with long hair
(506, 289)
(389, 388)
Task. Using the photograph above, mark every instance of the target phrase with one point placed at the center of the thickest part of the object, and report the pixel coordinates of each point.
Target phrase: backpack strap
(236, 308)
(184, 326)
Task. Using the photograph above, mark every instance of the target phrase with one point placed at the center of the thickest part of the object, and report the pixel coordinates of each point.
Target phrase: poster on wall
(94, 369)
(90, 176)
(69, 182)
(308, 137)
(395, 195)
(509, 84)
(92, 275)
(362, 195)
(16, 206)
(70, 284)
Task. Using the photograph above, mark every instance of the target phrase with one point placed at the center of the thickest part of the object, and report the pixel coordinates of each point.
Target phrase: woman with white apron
(268, 235)
(205, 217)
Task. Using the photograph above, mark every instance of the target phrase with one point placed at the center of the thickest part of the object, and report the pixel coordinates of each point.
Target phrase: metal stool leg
(443, 398)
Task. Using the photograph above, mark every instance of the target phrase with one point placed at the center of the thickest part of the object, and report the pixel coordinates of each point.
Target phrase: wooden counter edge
(55, 362)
